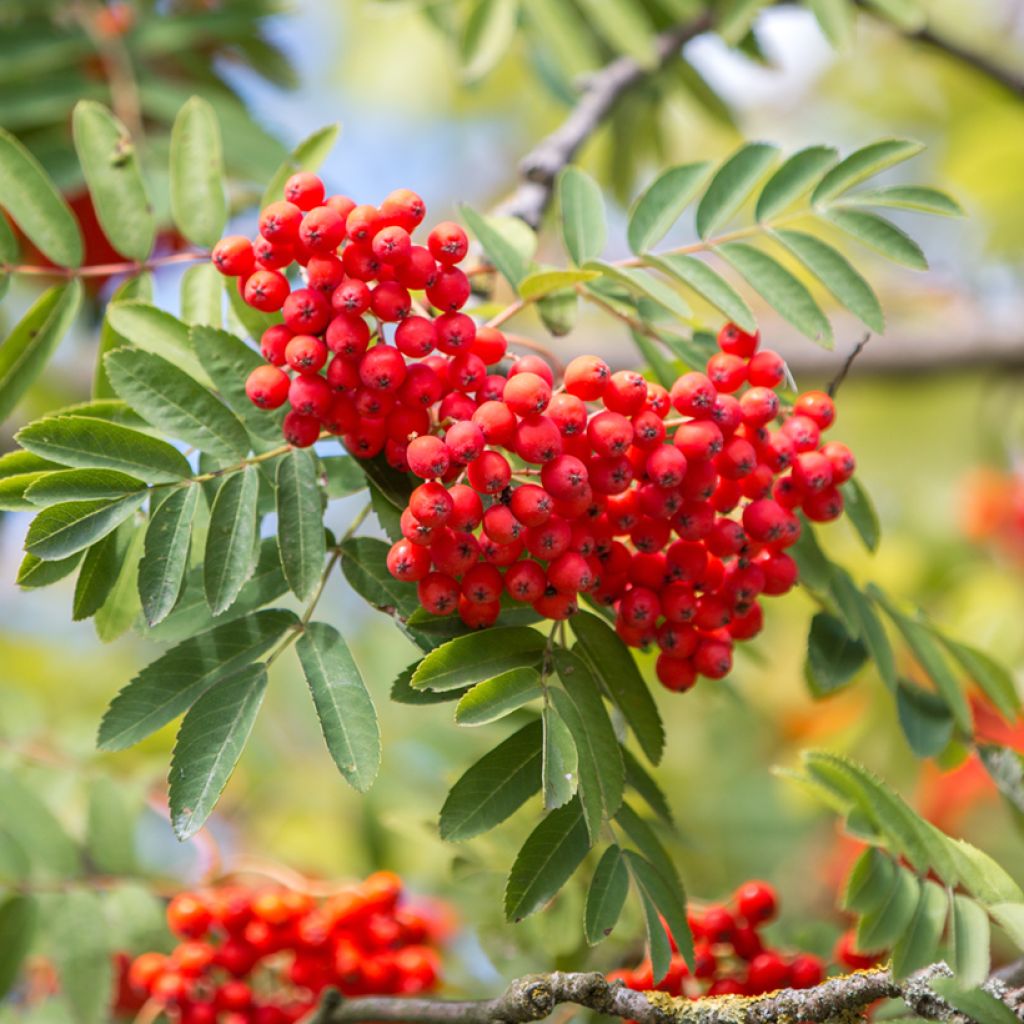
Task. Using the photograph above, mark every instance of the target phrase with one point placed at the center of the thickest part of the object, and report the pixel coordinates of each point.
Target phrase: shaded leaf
(993, 678)
(231, 538)
(642, 283)
(582, 215)
(669, 903)
(708, 284)
(209, 744)
(918, 946)
(343, 704)
(37, 572)
(644, 785)
(606, 895)
(925, 719)
(165, 561)
(121, 606)
(110, 828)
(549, 857)
(29, 821)
(612, 665)
(489, 31)
(202, 295)
(624, 26)
(100, 569)
(496, 786)
(833, 656)
(880, 928)
(300, 532)
(171, 684)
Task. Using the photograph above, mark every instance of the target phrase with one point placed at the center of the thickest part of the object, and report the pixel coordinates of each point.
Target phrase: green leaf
(36, 206)
(837, 274)
(496, 786)
(642, 283)
(62, 530)
(582, 215)
(110, 164)
(202, 295)
(403, 693)
(662, 203)
(122, 606)
(982, 876)
(543, 282)
(499, 248)
(343, 704)
(549, 857)
(37, 572)
(30, 822)
(231, 538)
(708, 284)
(925, 719)
(191, 614)
(835, 18)
(364, 563)
(976, 1003)
(602, 773)
(559, 764)
(198, 205)
(300, 532)
(139, 287)
(171, 684)
(100, 569)
(612, 665)
(642, 836)
(110, 828)
(732, 184)
(907, 197)
(833, 656)
(640, 780)
(308, 155)
(343, 474)
(209, 744)
(229, 361)
(558, 311)
(89, 443)
(496, 697)
(669, 903)
(880, 928)
(624, 26)
(163, 566)
(921, 640)
(157, 332)
(867, 624)
(28, 348)
(471, 659)
(664, 369)
(793, 179)
(881, 235)
(82, 955)
(490, 30)
(860, 510)
(869, 883)
(9, 254)
(606, 895)
(780, 289)
(80, 484)
(18, 920)
(993, 679)
(923, 846)
(176, 404)
(918, 946)
(861, 164)
(1009, 917)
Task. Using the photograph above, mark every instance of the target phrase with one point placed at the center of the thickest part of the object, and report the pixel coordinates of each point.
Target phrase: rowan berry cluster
(263, 956)
(593, 488)
(992, 510)
(359, 262)
(730, 955)
(673, 506)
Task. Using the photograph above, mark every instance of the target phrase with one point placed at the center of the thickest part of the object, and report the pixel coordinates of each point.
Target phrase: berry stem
(104, 269)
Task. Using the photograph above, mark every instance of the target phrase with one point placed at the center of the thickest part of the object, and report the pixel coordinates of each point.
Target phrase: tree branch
(534, 997)
(599, 93)
(1005, 77)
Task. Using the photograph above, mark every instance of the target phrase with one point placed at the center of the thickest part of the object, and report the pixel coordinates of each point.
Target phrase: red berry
(489, 474)
(392, 245)
(305, 353)
(267, 387)
(279, 222)
(756, 902)
(490, 345)
(266, 290)
(817, 406)
(806, 971)
(450, 291)
(299, 430)
(766, 369)
(438, 593)
(390, 301)
(448, 243)
(737, 342)
(187, 915)
(305, 190)
(586, 377)
(428, 456)
(407, 561)
(233, 256)
(310, 395)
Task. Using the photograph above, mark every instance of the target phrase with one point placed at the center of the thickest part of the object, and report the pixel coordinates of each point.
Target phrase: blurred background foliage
(426, 103)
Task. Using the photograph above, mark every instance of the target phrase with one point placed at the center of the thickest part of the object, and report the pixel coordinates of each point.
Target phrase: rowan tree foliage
(554, 537)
